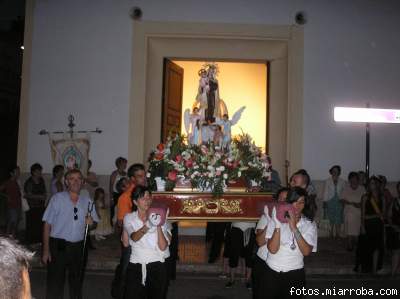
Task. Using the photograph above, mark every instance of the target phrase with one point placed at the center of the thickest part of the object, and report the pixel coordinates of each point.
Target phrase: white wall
(81, 63)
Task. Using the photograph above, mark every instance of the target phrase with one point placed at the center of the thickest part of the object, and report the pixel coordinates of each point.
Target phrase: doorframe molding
(281, 46)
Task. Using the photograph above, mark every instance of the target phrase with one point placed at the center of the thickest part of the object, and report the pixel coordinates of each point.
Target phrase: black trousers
(65, 257)
(280, 284)
(156, 280)
(118, 284)
(34, 225)
(216, 234)
(259, 278)
(237, 248)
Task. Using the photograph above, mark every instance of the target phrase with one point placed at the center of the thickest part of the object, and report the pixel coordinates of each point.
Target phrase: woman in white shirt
(147, 273)
(287, 244)
(351, 197)
(332, 202)
(259, 265)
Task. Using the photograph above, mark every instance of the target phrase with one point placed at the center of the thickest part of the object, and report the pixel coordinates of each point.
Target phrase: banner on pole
(72, 153)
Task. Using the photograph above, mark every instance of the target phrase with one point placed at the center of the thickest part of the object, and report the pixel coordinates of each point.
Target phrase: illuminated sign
(366, 115)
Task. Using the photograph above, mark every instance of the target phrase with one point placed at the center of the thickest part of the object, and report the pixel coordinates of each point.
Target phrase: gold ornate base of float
(194, 205)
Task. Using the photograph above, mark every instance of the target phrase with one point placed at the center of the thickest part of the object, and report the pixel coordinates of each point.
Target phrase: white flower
(148, 175)
(220, 168)
(225, 176)
(239, 174)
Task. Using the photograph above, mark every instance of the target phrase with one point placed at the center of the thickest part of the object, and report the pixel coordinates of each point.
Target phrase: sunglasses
(75, 213)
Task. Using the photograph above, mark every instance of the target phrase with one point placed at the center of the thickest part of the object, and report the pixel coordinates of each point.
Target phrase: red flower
(172, 175)
(178, 158)
(189, 163)
(160, 147)
(159, 156)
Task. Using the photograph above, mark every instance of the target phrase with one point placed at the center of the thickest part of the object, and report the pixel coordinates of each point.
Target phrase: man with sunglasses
(65, 220)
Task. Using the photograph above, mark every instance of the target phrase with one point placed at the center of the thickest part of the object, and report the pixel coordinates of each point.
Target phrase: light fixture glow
(22, 48)
(366, 115)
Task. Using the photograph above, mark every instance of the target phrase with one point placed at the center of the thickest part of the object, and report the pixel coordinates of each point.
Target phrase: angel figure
(193, 125)
(227, 124)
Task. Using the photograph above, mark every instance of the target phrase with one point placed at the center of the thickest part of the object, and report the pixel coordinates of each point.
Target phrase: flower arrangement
(166, 162)
(207, 167)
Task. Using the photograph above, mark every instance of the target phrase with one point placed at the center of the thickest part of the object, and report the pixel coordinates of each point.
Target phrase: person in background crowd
(351, 197)
(12, 190)
(372, 224)
(387, 195)
(241, 244)
(259, 271)
(288, 243)
(65, 220)
(91, 182)
(122, 185)
(363, 178)
(332, 189)
(137, 177)
(146, 274)
(115, 176)
(14, 270)
(302, 179)
(57, 182)
(103, 227)
(216, 233)
(35, 193)
(274, 184)
(393, 231)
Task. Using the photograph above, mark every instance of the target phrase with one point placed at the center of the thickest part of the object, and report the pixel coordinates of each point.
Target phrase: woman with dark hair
(288, 243)
(260, 267)
(331, 198)
(146, 273)
(372, 224)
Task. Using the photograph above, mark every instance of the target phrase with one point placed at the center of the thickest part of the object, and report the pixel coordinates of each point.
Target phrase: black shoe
(229, 284)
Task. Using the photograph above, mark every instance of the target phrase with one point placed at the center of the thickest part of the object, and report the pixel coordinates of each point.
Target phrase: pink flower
(218, 173)
(172, 175)
(178, 158)
(204, 149)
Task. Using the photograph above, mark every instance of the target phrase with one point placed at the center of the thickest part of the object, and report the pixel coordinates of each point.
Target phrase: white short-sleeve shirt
(146, 249)
(287, 259)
